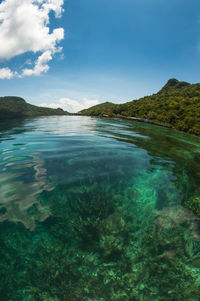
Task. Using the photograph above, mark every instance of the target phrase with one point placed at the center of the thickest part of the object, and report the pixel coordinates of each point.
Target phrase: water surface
(98, 209)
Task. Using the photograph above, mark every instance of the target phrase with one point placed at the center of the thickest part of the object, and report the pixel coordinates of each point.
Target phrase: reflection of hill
(13, 124)
(174, 151)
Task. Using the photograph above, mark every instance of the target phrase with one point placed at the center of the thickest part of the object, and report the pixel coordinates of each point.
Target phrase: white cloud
(24, 27)
(40, 65)
(6, 73)
(71, 105)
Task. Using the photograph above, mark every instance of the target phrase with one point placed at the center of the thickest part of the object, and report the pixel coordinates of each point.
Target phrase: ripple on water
(98, 209)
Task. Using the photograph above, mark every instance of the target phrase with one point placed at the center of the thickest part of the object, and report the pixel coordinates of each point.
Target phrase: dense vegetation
(106, 108)
(16, 107)
(177, 104)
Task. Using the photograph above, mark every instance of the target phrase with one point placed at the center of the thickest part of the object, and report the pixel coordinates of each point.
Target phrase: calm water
(98, 209)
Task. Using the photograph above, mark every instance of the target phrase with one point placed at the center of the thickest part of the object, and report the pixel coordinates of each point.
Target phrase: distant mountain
(102, 108)
(177, 105)
(16, 107)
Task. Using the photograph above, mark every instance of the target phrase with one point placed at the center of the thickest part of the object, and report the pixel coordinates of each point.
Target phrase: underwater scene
(98, 210)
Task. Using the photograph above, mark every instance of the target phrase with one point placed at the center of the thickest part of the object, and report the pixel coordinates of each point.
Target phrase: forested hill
(177, 104)
(16, 107)
(101, 109)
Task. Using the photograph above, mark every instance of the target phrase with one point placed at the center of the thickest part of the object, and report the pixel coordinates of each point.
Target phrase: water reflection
(66, 126)
(25, 172)
(104, 199)
(23, 177)
(171, 150)
(19, 200)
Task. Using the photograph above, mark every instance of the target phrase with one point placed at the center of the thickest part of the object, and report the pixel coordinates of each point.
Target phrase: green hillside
(101, 109)
(16, 107)
(177, 104)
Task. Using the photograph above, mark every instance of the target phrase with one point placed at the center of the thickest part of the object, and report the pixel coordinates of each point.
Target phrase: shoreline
(144, 120)
(137, 119)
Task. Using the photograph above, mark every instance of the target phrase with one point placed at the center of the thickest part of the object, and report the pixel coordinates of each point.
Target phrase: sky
(77, 53)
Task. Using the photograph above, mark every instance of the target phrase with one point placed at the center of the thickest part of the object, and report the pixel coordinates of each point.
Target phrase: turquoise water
(98, 209)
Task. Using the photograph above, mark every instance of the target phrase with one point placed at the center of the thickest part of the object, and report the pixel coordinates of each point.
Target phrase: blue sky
(115, 50)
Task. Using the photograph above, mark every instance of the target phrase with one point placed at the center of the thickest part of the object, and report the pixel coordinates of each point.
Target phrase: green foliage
(16, 107)
(106, 108)
(177, 104)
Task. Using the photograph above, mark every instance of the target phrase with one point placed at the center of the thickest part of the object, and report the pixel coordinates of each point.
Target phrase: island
(12, 107)
(176, 105)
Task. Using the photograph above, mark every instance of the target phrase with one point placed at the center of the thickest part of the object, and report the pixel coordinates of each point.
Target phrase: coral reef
(102, 250)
